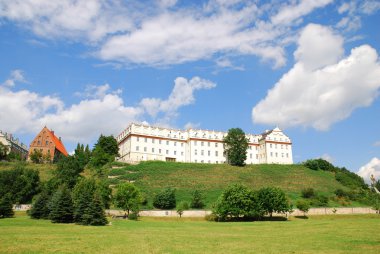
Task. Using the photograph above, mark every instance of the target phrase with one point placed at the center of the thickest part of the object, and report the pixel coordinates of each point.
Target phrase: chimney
(59, 138)
(52, 132)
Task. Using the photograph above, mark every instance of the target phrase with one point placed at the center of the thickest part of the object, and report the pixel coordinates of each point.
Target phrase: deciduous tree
(236, 145)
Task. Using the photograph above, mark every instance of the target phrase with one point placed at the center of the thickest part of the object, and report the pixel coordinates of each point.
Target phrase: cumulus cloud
(159, 33)
(320, 90)
(371, 168)
(102, 110)
(327, 157)
(181, 95)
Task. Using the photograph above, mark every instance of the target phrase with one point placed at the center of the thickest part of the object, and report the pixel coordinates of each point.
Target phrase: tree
(61, 206)
(236, 145)
(3, 151)
(94, 214)
(273, 200)
(237, 201)
(105, 151)
(197, 200)
(308, 193)
(303, 206)
(6, 206)
(40, 207)
(36, 156)
(181, 207)
(127, 197)
(165, 199)
(82, 195)
(68, 171)
(21, 183)
(105, 192)
(82, 155)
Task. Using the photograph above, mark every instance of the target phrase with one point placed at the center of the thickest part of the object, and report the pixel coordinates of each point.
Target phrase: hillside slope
(211, 179)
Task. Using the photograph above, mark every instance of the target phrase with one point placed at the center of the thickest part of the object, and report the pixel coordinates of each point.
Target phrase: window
(271, 154)
(275, 146)
(282, 146)
(282, 155)
(257, 156)
(181, 144)
(287, 155)
(167, 151)
(202, 143)
(202, 161)
(195, 143)
(152, 150)
(144, 149)
(146, 140)
(47, 142)
(208, 153)
(209, 144)
(196, 161)
(137, 148)
(159, 141)
(175, 152)
(167, 142)
(216, 144)
(195, 152)
(153, 140)
(217, 162)
(216, 153)
(202, 152)
(181, 153)
(175, 143)
(250, 156)
(138, 139)
(276, 154)
(270, 145)
(159, 151)
(39, 142)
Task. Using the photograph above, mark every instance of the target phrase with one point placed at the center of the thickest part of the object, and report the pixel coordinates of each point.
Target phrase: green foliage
(236, 145)
(273, 200)
(320, 200)
(94, 214)
(6, 206)
(83, 194)
(303, 206)
(127, 197)
(105, 192)
(3, 151)
(68, 171)
(319, 164)
(197, 200)
(21, 183)
(376, 203)
(12, 156)
(36, 156)
(237, 201)
(61, 206)
(181, 207)
(350, 179)
(308, 193)
(105, 151)
(82, 155)
(165, 199)
(40, 207)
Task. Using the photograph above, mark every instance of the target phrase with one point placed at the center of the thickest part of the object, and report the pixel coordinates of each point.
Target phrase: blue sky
(88, 67)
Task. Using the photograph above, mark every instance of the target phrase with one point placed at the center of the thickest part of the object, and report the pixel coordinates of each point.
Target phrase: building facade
(13, 145)
(142, 142)
(48, 143)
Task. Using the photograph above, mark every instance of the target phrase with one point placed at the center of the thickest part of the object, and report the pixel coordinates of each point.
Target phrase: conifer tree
(61, 206)
(83, 194)
(94, 214)
(40, 208)
(6, 206)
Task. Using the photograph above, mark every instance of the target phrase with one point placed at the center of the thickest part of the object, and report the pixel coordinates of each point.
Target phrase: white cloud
(371, 168)
(325, 94)
(15, 76)
(191, 125)
(377, 143)
(159, 33)
(327, 157)
(181, 95)
(101, 111)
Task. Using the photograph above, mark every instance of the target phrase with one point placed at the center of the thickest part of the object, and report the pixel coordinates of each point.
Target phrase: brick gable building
(48, 143)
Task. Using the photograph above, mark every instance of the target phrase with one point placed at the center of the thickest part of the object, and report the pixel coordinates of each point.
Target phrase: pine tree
(83, 194)
(94, 214)
(40, 208)
(6, 207)
(61, 206)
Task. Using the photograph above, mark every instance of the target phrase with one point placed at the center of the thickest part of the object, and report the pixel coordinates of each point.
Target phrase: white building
(13, 144)
(141, 143)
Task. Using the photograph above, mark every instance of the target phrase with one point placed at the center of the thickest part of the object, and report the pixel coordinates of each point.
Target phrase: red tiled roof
(58, 143)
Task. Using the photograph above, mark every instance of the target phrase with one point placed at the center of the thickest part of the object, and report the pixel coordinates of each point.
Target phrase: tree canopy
(236, 145)
(127, 197)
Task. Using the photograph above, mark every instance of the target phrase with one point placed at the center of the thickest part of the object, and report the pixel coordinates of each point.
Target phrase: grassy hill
(211, 179)
(152, 176)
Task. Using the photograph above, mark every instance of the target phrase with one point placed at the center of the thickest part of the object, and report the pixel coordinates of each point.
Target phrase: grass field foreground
(318, 234)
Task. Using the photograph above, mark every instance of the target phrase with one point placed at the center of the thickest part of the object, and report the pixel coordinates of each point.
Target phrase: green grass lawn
(318, 234)
(45, 170)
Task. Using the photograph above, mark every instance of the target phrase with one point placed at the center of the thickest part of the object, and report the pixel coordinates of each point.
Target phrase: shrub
(197, 200)
(308, 193)
(211, 217)
(165, 199)
(303, 206)
(320, 200)
(181, 207)
(273, 200)
(319, 164)
(237, 201)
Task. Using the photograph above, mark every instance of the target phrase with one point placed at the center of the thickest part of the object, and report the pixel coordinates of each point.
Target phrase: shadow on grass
(274, 218)
(304, 217)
